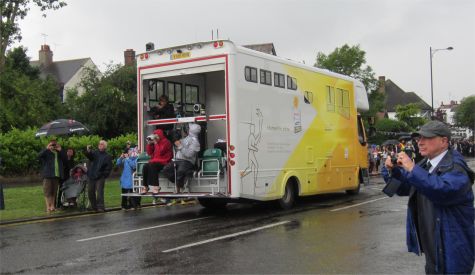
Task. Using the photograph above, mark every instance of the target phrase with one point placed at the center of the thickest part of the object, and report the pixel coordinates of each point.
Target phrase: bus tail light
(218, 44)
(232, 162)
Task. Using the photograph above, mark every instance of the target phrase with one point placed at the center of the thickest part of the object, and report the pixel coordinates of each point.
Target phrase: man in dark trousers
(97, 172)
(440, 215)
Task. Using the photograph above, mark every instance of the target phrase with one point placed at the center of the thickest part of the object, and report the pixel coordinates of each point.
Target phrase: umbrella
(390, 142)
(61, 127)
(405, 137)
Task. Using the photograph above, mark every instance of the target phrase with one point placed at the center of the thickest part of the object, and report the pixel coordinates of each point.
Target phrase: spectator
(52, 168)
(159, 149)
(99, 169)
(75, 184)
(440, 216)
(129, 161)
(186, 150)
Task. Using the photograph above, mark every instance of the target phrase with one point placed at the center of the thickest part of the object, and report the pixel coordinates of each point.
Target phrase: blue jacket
(449, 187)
(129, 167)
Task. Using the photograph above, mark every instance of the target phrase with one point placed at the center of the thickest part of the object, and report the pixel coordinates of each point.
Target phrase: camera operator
(159, 149)
(186, 150)
(52, 161)
(440, 216)
(163, 110)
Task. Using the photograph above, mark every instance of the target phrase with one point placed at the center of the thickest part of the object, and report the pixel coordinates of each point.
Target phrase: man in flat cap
(440, 215)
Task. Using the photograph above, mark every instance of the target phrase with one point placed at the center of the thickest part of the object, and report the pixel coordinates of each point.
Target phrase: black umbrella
(405, 137)
(61, 127)
(390, 142)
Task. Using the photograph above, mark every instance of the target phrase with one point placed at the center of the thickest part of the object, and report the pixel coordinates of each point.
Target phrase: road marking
(226, 236)
(358, 204)
(140, 229)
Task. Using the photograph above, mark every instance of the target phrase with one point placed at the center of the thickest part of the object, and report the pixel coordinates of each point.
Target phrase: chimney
(45, 56)
(129, 57)
(382, 84)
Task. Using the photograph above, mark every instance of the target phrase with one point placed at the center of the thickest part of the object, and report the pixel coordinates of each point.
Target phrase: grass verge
(28, 202)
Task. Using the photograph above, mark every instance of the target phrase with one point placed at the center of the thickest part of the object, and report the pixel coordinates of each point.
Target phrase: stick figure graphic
(253, 141)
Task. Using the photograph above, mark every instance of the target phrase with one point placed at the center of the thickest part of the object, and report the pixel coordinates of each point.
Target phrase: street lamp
(432, 52)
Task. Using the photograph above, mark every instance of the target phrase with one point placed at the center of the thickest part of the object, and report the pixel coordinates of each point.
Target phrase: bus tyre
(212, 203)
(288, 200)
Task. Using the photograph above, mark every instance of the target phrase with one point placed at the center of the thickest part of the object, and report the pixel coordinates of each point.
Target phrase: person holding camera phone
(440, 215)
(159, 149)
(52, 161)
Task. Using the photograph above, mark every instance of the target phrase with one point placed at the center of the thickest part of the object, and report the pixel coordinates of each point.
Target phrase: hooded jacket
(160, 152)
(449, 188)
(46, 158)
(190, 145)
(130, 165)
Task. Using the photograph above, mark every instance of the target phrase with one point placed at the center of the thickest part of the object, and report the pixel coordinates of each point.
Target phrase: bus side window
(250, 74)
(308, 97)
(361, 135)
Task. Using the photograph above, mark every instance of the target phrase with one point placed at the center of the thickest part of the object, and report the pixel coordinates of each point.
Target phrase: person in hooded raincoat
(186, 150)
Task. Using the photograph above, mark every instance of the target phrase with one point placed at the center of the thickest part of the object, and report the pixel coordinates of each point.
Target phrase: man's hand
(405, 161)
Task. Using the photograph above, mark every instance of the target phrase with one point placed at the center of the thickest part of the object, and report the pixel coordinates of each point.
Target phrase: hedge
(19, 149)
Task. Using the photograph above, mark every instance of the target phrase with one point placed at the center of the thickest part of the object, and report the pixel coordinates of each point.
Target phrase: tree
(409, 114)
(348, 61)
(11, 12)
(464, 114)
(108, 105)
(26, 100)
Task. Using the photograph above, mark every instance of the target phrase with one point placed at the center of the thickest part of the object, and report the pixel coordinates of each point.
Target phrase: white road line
(140, 229)
(226, 236)
(358, 204)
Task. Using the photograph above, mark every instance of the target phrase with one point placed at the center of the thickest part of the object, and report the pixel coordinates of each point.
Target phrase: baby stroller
(74, 188)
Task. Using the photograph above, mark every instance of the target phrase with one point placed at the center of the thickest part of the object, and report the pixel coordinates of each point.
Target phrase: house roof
(396, 96)
(265, 48)
(62, 71)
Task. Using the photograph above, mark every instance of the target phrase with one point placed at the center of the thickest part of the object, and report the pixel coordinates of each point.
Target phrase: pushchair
(74, 188)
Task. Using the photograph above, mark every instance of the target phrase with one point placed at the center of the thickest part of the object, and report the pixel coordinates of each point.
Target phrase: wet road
(323, 234)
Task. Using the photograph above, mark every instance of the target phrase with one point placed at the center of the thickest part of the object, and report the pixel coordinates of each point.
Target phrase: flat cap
(433, 128)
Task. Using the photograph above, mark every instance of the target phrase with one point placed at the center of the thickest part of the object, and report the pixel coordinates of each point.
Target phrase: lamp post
(432, 52)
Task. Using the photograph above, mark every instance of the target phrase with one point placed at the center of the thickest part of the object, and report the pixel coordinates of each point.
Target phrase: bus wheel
(288, 200)
(212, 203)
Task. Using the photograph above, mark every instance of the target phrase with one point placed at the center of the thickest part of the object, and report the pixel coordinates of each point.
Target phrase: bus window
(330, 99)
(250, 73)
(155, 90)
(279, 80)
(191, 97)
(308, 97)
(361, 135)
(266, 77)
(291, 83)
(174, 92)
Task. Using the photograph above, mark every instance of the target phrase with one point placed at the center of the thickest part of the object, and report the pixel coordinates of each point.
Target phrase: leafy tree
(11, 12)
(408, 113)
(348, 61)
(464, 114)
(26, 100)
(108, 105)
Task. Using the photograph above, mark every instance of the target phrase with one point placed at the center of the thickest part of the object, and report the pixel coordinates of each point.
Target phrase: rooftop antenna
(44, 38)
(217, 34)
(212, 34)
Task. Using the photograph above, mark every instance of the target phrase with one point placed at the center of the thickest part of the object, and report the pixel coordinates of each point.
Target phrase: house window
(291, 83)
(191, 97)
(155, 91)
(266, 77)
(279, 80)
(330, 99)
(250, 73)
(174, 92)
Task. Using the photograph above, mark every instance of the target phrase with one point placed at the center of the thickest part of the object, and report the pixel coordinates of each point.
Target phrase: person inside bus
(164, 110)
(186, 150)
(159, 149)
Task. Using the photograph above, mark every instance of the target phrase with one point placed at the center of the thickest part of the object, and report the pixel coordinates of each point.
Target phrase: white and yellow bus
(289, 129)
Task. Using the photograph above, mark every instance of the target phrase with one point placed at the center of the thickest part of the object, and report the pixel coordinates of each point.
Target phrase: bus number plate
(180, 55)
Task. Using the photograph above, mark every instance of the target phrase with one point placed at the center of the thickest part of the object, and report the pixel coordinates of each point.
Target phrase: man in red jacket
(160, 151)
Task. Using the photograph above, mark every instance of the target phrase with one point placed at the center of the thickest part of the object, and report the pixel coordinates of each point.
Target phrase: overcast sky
(396, 35)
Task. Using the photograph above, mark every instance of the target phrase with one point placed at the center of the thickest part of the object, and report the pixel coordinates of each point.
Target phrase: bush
(19, 149)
